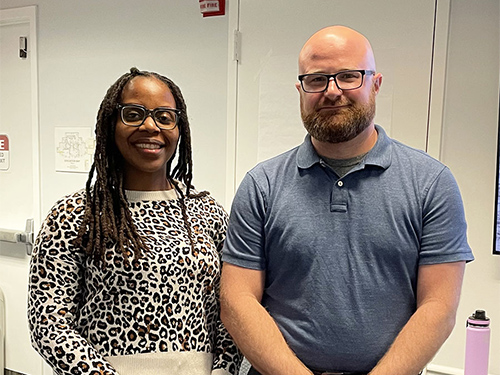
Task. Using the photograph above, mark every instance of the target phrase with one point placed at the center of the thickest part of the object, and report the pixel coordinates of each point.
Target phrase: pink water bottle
(477, 346)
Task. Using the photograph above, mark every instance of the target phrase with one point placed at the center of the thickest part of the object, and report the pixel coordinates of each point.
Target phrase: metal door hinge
(237, 45)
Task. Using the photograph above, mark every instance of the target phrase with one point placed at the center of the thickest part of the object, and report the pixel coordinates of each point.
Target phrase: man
(347, 253)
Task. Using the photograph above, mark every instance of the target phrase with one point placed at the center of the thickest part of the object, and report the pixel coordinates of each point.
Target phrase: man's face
(338, 120)
(336, 115)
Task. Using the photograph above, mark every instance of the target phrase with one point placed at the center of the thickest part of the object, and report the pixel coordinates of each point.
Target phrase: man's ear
(377, 82)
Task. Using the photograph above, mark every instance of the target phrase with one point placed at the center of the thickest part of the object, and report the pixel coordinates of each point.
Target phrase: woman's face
(146, 149)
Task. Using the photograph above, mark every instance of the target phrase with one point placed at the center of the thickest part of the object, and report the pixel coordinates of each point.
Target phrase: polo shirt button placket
(338, 200)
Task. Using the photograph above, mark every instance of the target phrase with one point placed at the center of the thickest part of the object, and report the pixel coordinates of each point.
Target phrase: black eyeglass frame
(334, 76)
(150, 112)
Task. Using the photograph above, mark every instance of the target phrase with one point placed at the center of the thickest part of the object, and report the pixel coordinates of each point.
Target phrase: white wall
(84, 46)
(469, 148)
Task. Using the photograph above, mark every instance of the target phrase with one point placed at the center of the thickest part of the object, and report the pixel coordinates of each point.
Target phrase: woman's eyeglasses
(135, 115)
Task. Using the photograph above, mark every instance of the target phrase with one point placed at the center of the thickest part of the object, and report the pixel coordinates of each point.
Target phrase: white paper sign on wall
(74, 149)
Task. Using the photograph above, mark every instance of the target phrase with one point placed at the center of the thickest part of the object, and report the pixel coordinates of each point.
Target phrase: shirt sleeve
(227, 357)
(55, 296)
(444, 230)
(245, 242)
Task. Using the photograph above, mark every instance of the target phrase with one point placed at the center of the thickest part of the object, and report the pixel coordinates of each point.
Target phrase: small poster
(74, 149)
(4, 152)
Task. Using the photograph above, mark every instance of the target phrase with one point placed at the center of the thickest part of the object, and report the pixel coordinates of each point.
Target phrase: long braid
(183, 171)
(107, 220)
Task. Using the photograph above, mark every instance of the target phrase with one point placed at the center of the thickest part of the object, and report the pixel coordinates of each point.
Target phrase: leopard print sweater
(82, 316)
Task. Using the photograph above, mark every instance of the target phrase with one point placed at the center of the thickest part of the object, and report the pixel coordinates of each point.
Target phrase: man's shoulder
(415, 156)
(269, 175)
(276, 163)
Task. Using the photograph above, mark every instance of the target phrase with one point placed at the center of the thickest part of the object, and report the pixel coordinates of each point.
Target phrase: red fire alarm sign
(211, 8)
(4, 152)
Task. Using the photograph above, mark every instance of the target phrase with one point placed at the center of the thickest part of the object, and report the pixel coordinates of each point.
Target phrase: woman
(124, 275)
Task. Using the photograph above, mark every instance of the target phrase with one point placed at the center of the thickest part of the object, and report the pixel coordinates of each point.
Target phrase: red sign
(211, 8)
(4, 142)
(4, 153)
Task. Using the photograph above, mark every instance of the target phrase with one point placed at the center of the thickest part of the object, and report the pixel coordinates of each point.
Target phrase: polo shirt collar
(379, 155)
(306, 154)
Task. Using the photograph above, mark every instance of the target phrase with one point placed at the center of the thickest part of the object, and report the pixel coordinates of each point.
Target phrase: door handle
(15, 236)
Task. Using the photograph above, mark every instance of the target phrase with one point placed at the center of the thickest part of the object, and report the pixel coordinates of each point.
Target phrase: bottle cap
(479, 315)
(478, 319)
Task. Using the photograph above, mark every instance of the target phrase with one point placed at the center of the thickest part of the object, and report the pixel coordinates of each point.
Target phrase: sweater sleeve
(55, 295)
(227, 357)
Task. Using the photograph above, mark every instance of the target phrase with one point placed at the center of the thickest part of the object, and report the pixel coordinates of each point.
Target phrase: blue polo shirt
(341, 255)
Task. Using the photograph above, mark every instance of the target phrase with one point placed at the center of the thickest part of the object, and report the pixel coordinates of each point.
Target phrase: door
(19, 186)
(272, 34)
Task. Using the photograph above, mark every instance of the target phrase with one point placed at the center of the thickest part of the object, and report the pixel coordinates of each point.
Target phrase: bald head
(342, 46)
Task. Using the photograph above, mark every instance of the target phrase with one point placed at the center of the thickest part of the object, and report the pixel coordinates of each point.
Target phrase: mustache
(333, 103)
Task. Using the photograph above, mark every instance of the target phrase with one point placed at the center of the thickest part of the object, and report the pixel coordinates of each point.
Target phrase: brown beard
(341, 126)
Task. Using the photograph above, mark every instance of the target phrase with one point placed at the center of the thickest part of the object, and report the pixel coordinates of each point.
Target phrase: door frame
(438, 78)
(233, 57)
(23, 15)
(28, 14)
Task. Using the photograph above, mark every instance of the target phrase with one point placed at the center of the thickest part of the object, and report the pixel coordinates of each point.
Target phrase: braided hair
(107, 220)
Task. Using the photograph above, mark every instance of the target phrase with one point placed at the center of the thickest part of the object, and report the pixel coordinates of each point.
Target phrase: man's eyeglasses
(345, 80)
(135, 115)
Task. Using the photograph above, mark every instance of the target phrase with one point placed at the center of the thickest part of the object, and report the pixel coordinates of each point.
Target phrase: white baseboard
(443, 370)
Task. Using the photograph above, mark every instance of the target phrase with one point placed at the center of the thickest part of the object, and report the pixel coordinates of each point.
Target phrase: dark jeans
(255, 372)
